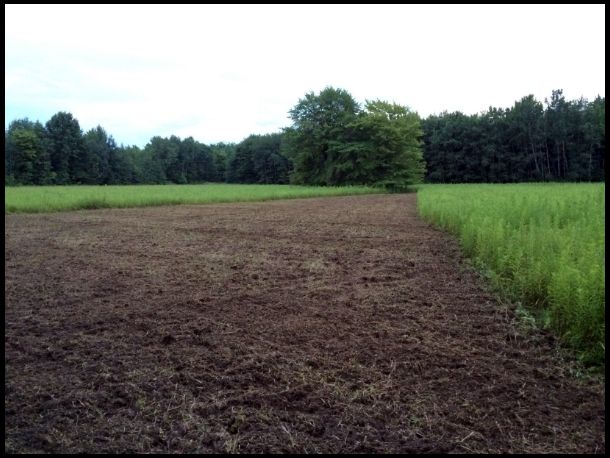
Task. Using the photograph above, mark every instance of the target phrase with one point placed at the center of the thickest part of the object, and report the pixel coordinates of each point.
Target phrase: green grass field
(38, 199)
(541, 244)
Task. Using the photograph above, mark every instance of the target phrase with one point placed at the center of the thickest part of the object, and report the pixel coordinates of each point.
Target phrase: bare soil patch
(317, 325)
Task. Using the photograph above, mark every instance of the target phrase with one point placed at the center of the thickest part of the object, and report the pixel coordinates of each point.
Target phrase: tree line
(333, 140)
(559, 141)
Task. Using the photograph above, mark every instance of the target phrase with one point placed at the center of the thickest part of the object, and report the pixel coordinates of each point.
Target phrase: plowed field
(317, 325)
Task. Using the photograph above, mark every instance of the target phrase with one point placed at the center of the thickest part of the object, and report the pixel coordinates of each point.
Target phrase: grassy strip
(43, 199)
(541, 244)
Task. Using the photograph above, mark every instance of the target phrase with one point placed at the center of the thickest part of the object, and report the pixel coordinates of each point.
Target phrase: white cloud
(223, 72)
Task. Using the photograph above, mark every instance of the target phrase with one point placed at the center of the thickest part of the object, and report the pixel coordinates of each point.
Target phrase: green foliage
(172, 160)
(105, 164)
(36, 199)
(318, 135)
(544, 245)
(335, 142)
(529, 142)
(222, 153)
(69, 159)
(388, 136)
(31, 161)
(258, 159)
(58, 153)
(27, 147)
(198, 162)
(26, 157)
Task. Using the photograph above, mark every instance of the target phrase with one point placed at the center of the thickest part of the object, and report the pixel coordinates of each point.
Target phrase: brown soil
(318, 325)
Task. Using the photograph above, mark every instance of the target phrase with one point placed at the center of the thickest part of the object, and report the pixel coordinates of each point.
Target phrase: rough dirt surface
(317, 325)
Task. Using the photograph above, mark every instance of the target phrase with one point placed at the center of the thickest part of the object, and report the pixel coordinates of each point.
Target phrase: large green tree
(334, 142)
(526, 121)
(384, 148)
(223, 154)
(98, 147)
(319, 131)
(69, 159)
(26, 159)
(31, 161)
(198, 161)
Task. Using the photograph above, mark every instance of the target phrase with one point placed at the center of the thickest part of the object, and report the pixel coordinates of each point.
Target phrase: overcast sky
(221, 73)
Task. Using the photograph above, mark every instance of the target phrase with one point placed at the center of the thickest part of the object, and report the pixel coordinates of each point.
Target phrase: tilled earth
(317, 325)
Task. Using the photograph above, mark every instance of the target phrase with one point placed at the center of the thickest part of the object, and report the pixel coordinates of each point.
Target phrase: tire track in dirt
(317, 325)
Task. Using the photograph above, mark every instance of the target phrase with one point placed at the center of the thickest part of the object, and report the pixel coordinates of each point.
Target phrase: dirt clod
(168, 339)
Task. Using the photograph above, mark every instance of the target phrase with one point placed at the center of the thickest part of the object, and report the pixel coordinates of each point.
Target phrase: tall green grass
(36, 199)
(541, 244)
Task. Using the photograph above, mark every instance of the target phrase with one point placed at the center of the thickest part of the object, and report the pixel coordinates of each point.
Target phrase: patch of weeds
(527, 321)
(415, 421)
(140, 403)
(232, 445)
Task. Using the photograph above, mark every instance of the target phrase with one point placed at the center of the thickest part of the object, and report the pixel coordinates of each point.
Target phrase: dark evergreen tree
(66, 149)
